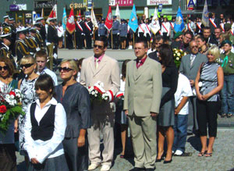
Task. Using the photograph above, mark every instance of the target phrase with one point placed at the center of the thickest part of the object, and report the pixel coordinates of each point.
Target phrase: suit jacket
(143, 88)
(52, 35)
(191, 71)
(107, 73)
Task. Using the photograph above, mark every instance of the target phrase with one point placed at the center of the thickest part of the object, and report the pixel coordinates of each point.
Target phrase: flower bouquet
(98, 94)
(10, 107)
(177, 56)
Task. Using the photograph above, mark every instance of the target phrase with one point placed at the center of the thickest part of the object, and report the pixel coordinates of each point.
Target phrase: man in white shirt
(182, 95)
(41, 59)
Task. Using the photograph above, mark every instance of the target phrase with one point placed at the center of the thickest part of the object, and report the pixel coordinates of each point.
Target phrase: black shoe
(159, 160)
(150, 169)
(167, 162)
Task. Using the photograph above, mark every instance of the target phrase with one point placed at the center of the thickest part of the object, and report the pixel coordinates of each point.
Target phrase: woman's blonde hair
(214, 50)
(28, 58)
(73, 65)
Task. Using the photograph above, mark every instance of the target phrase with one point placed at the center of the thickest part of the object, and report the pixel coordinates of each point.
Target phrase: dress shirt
(99, 59)
(50, 73)
(53, 147)
(192, 58)
(140, 62)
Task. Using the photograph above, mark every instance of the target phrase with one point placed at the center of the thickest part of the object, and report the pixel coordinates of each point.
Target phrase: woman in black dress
(167, 107)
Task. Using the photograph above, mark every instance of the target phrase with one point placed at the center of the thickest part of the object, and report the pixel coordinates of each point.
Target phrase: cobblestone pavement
(222, 159)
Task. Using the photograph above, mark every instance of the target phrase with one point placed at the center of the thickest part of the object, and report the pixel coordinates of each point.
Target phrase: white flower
(93, 93)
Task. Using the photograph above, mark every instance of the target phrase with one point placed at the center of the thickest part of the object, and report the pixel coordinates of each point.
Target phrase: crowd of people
(65, 124)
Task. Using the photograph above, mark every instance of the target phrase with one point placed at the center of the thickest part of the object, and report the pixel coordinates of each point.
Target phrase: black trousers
(7, 157)
(79, 40)
(116, 41)
(88, 41)
(207, 115)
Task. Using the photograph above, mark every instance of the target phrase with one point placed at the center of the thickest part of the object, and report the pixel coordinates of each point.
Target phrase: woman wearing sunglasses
(45, 128)
(7, 148)
(26, 85)
(75, 100)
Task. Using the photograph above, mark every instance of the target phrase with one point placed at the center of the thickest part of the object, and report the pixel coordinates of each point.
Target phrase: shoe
(121, 156)
(178, 153)
(229, 115)
(150, 169)
(208, 155)
(158, 160)
(93, 166)
(137, 169)
(167, 162)
(105, 167)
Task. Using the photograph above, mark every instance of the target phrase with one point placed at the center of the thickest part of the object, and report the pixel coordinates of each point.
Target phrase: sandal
(208, 155)
(201, 154)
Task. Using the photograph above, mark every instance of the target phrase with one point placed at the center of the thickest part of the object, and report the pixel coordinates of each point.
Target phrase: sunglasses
(4, 68)
(99, 47)
(64, 69)
(26, 65)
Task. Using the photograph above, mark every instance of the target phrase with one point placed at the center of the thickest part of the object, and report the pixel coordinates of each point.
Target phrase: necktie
(225, 61)
(97, 63)
(138, 64)
(192, 58)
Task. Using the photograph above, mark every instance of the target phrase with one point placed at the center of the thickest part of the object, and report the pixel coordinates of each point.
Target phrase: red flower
(12, 93)
(3, 109)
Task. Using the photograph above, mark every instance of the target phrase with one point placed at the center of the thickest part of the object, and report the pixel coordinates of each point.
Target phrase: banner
(71, 22)
(93, 18)
(133, 22)
(179, 24)
(205, 15)
(156, 2)
(154, 25)
(117, 13)
(121, 2)
(64, 21)
(109, 20)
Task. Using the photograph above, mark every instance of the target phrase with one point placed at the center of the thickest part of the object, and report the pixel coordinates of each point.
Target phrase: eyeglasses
(64, 69)
(4, 68)
(26, 65)
(99, 47)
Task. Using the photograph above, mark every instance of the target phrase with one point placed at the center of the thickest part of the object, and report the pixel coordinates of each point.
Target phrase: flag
(179, 24)
(133, 23)
(53, 13)
(64, 21)
(42, 12)
(154, 25)
(34, 14)
(205, 15)
(109, 20)
(71, 22)
(117, 13)
(93, 18)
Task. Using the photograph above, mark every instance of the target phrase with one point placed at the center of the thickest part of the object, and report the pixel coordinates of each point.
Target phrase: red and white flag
(109, 20)
(71, 22)
(53, 13)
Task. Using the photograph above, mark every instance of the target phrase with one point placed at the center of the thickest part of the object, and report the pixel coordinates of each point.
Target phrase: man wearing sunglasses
(103, 68)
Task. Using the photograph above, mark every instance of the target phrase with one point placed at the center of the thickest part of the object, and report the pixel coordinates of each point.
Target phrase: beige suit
(143, 90)
(102, 114)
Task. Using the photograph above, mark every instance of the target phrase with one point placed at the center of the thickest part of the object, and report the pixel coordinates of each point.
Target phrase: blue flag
(64, 21)
(179, 24)
(133, 22)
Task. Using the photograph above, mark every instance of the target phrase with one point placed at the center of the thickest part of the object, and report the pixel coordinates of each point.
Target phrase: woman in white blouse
(45, 128)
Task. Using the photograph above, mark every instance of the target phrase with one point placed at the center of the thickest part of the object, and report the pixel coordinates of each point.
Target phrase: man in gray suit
(143, 88)
(189, 67)
(101, 68)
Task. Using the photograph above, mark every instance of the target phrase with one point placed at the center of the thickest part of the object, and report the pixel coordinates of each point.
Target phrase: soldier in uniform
(37, 36)
(88, 30)
(5, 47)
(79, 33)
(115, 32)
(52, 37)
(6, 20)
(123, 31)
(31, 43)
(21, 48)
(41, 24)
(102, 31)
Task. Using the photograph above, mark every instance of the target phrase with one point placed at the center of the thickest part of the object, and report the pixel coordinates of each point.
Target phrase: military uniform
(88, 30)
(79, 34)
(21, 49)
(102, 31)
(52, 37)
(32, 44)
(115, 32)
